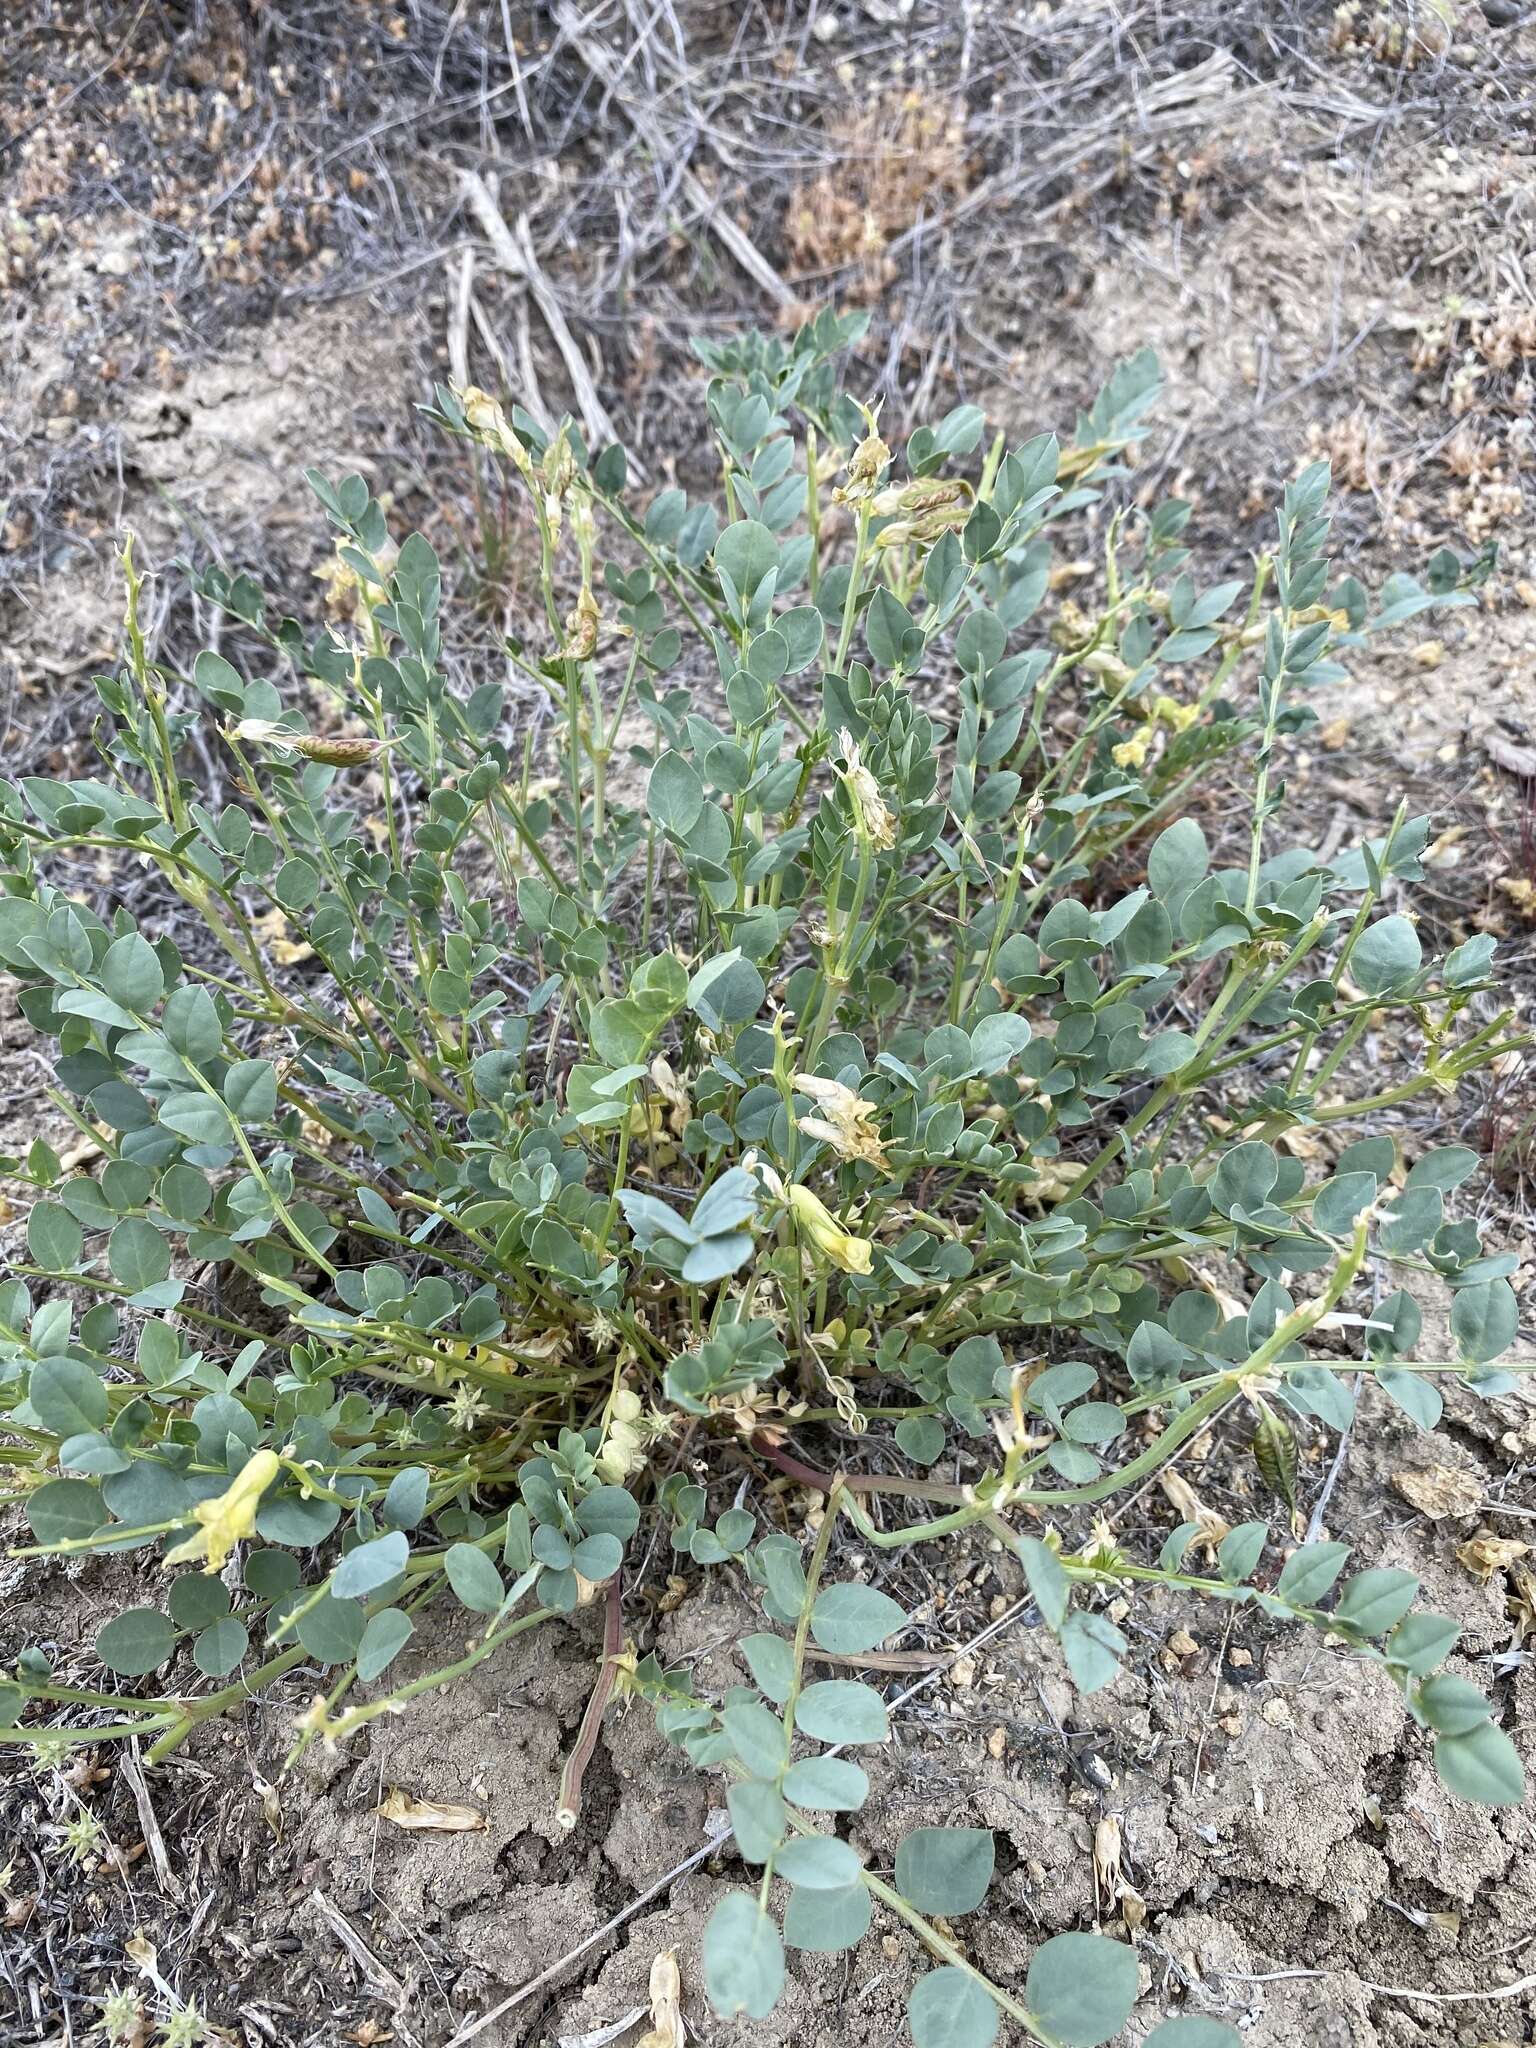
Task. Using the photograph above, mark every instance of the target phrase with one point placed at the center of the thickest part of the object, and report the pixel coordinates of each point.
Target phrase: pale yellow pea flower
(849, 1254)
(230, 1517)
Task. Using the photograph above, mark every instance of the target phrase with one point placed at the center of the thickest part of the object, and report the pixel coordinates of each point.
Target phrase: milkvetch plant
(837, 1027)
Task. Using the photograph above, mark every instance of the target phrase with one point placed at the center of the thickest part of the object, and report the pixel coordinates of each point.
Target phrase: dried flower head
(845, 1122)
(872, 817)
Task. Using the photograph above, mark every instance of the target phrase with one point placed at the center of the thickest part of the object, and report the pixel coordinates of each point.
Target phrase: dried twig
(715, 217)
(378, 1974)
(154, 1841)
(512, 246)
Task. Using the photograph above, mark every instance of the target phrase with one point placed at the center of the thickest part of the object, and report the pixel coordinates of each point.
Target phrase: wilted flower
(622, 1451)
(873, 818)
(485, 417)
(581, 626)
(846, 1123)
(865, 467)
(344, 584)
(338, 752)
(816, 1221)
(923, 495)
(230, 1517)
(922, 510)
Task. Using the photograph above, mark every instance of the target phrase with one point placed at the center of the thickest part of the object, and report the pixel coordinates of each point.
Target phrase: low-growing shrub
(837, 1028)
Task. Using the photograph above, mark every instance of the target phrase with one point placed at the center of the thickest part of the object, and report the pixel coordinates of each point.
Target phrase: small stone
(1182, 1643)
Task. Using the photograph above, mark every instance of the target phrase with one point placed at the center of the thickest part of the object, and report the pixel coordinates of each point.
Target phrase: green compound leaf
(250, 1089)
(597, 1557)
(771, 1663)
(1179, 860)
(842, 1710)
(1482, 1765)
(384, 1638)
(298, 1523)
(220, 1647)
(198, 1601)
(945, 1870)
(371, 1565)
(54, 1238)
(1093, 1648)
(949, 2009)
(1308, 1573)
(136, 1642)
(1387, 955)
(743, 1959)
(1417, 1396)
(827, 1784)
(68, 1396)
(138, 1254)
(757, 1736)
(131, 975)
(190, 1022)
(746, 554)
(405, 1498)
(827, 1922)
(196, 1118)
(1451, 1705)
(848, 1620)
(609, 1511)
(675, 794)
(1047, 1580)
(474, 1579)
(1374, 1601)
(1240, 1551)
(727, 990)
(757, 1815)
(65, 1511)
(332, 1630)
(1422, 1641)
(1081, 1988)
(920, 1438)
(1484, 1320)
(819, 1863)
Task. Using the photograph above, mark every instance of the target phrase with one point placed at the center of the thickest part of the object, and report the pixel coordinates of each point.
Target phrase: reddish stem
(592, 1719)
(823, 1482)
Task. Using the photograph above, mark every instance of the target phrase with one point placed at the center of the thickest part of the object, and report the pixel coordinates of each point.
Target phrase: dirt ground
(233, 242)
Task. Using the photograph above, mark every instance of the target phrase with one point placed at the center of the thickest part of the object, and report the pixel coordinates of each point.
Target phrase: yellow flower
(1177, 717)
(849, 1254)
(230, 1517)
(1134, 752)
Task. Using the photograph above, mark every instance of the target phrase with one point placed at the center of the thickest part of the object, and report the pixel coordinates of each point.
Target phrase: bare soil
(233, 245)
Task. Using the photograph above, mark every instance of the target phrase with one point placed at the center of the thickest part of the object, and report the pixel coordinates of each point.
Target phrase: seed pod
(1274, 1452)
(338, 753)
